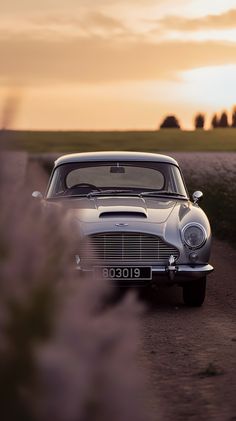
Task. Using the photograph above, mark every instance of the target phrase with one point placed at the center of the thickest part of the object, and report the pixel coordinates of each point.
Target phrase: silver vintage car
(135, 211)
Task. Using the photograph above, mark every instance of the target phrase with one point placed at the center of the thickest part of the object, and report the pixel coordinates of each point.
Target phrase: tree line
(219, 120)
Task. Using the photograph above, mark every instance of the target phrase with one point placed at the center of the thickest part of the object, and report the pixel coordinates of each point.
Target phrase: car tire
(194, 293)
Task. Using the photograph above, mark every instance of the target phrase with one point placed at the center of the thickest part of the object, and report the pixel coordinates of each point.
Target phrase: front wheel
(194, 293)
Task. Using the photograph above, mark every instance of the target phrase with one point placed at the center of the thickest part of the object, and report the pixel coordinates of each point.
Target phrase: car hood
(105, 209)
(156, 216)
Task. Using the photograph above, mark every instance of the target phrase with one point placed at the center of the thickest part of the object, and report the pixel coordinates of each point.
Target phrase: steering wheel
(92, 186)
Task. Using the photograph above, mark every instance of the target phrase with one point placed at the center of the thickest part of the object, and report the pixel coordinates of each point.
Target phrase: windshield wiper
(132, 193)
(66, 196)
(161, 193)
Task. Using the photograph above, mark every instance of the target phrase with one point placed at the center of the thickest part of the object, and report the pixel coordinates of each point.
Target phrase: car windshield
(76, 179)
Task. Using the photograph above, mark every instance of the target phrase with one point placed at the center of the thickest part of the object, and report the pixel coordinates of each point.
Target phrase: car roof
(114, 156)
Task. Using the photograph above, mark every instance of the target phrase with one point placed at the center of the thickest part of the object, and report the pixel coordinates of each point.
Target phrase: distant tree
(170, 122)
(214, 122)
(199, 121)
(234, 117)
(223, 121)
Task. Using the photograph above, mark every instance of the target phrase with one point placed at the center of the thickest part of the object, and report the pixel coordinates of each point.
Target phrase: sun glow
(205, 7)
(212, 86)
(228, 35)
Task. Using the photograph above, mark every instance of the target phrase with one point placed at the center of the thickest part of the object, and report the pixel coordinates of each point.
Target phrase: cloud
(103, 21)
(91, 21)
(62, 25)
(99, 60)
(225, 20)
(22, 6)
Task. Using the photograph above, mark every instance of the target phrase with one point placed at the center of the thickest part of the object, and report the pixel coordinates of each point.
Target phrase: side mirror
(197, 196)
(37, 195)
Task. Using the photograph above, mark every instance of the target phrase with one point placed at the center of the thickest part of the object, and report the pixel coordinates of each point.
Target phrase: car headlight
(194, 235)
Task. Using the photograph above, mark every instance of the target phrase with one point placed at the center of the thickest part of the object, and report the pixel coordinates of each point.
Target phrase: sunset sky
(116, 64)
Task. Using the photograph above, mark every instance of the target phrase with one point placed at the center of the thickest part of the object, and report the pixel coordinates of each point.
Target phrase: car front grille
(132, 247)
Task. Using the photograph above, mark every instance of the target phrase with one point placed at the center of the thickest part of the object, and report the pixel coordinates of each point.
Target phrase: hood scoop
(123, 214)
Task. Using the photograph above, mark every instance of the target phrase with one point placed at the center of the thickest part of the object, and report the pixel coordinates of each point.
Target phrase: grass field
(149, 141)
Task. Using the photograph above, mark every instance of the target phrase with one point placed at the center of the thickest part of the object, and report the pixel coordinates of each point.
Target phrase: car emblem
(122, 225)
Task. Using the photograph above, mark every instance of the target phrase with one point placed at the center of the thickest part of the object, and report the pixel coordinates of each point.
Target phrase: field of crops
(215, 175)
(149, 141)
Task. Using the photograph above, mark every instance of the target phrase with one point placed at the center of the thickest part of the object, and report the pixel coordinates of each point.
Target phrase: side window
(177, 181)
(57, 186)
(172, 184)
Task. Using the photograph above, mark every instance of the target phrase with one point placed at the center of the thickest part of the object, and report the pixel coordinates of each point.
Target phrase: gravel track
(190, 353)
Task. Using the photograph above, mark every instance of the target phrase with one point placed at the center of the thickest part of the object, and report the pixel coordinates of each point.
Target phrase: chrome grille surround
(131, 247)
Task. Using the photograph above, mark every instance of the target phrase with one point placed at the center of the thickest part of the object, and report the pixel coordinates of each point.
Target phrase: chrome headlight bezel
(183, 232)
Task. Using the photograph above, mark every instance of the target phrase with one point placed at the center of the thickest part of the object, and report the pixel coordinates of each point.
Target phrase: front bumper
(182, 273)
(170, 274)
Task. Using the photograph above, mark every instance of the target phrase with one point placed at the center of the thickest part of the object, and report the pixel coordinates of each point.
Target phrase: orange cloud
(98, 59)
(59, 27)
(88, 22)
(29, 6)
(101, 20)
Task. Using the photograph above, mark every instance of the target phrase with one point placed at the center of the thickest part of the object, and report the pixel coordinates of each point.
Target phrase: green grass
(149, 141)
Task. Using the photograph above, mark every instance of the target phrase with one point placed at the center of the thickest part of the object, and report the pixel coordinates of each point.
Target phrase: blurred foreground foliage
(65, 354)
(28, 325)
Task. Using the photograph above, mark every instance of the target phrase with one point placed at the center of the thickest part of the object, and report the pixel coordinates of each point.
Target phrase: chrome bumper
(172, 273)
(177, 273)
(182, 272)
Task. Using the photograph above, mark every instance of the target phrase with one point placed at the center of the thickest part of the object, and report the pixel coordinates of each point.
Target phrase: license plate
(125, 273)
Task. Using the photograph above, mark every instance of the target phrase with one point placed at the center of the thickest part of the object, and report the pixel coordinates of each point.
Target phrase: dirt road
(190, 354)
